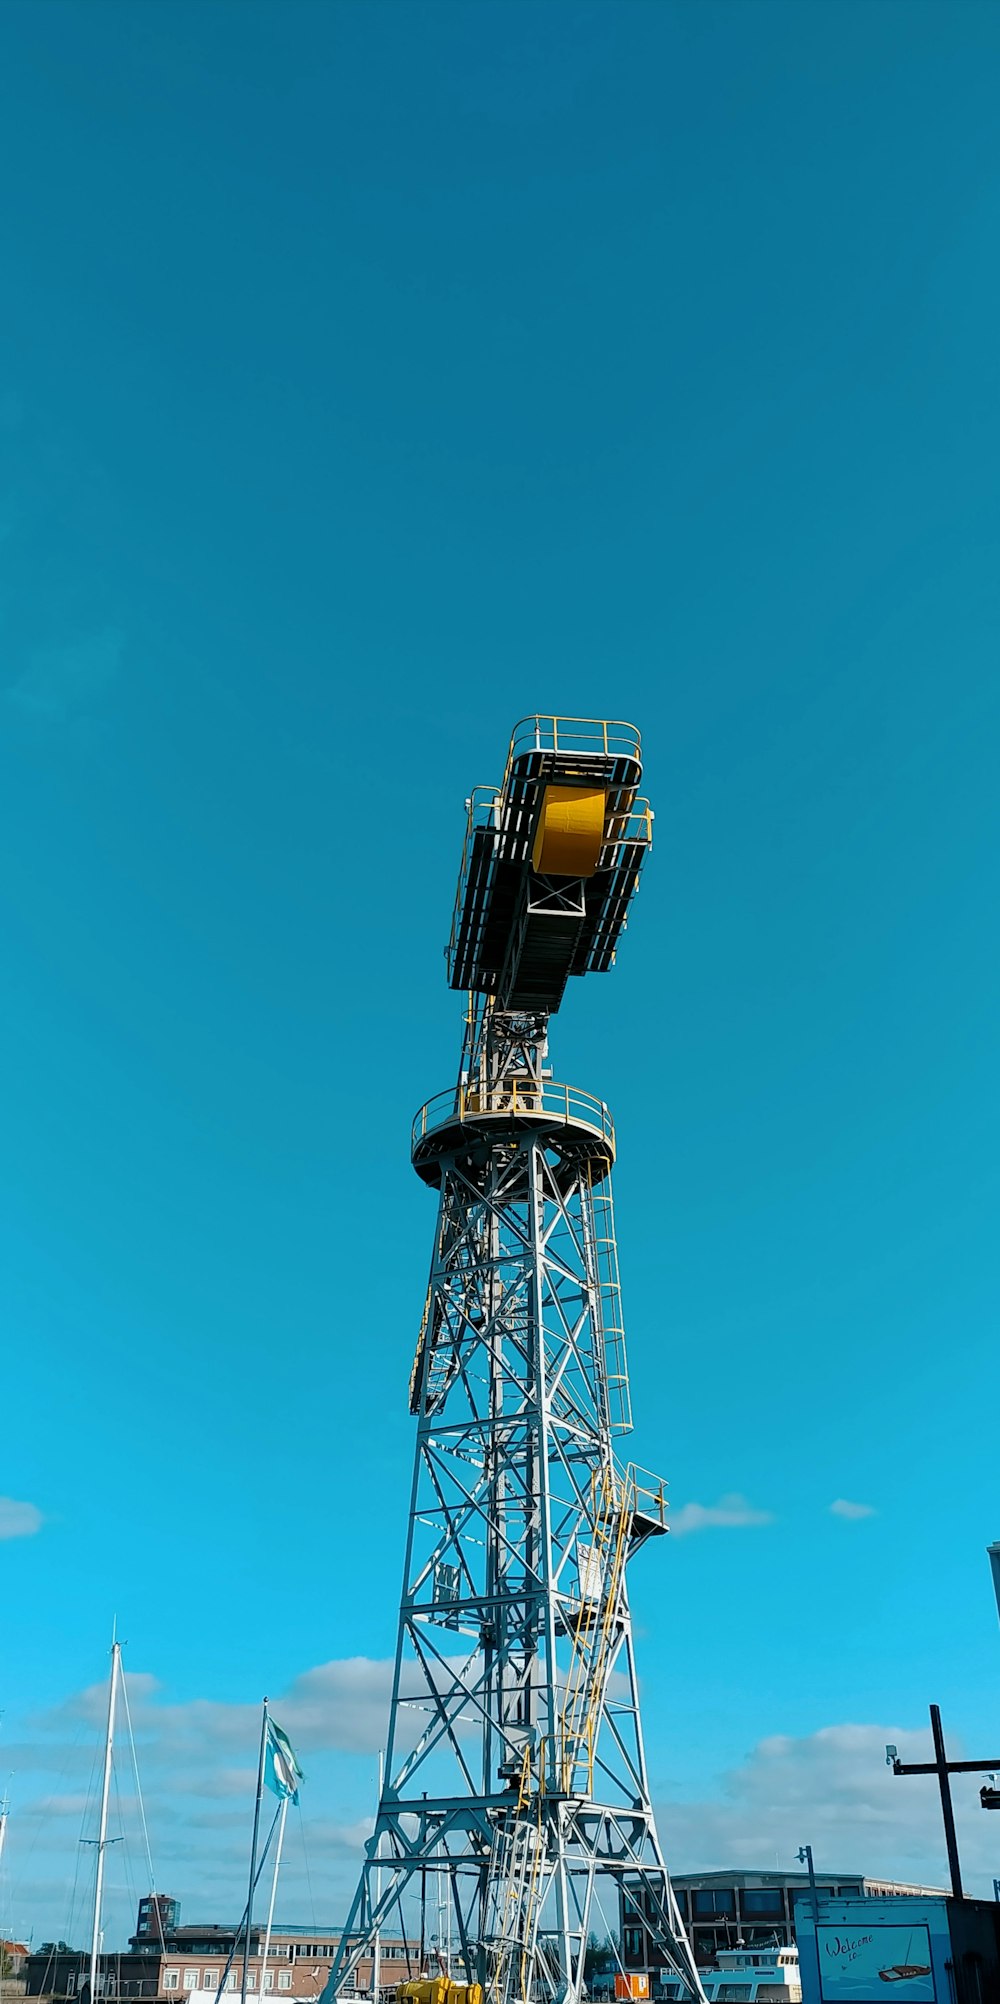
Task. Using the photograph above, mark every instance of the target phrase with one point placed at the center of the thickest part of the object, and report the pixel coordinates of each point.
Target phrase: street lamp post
(805, 1857)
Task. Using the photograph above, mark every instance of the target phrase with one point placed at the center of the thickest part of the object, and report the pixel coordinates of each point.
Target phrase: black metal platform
(518, 934)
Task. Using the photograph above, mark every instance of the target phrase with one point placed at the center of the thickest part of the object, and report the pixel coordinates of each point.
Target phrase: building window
(284, 1979)
(767, 1901)
(190, 1979)
(210, 1979)
(269, 1979)
(231, 1980)
(171, 1979)
(713, 1900)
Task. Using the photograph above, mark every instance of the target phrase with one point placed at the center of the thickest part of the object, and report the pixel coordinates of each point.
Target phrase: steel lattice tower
(515, 1782)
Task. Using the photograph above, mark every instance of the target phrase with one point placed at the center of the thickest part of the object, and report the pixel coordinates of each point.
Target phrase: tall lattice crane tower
(515, 1800)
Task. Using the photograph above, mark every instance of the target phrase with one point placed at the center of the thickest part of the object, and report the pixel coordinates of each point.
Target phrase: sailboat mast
(253, 1855)
(102, 1837)
(377, 1943)
(3, 1833)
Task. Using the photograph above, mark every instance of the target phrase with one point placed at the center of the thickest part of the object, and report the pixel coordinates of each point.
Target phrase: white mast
(102, 1839)
(274, 1889)
(3, 1833)
(377, 1943)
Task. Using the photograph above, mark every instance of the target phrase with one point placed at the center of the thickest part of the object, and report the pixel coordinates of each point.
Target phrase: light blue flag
(281, 1769)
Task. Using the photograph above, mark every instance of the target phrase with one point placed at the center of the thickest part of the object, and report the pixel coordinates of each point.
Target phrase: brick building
(174, 1963)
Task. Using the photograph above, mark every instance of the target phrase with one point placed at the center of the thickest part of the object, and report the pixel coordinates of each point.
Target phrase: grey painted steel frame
(515, 1770)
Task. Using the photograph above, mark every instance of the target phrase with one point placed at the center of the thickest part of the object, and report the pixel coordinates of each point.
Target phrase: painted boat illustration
(903, 1972)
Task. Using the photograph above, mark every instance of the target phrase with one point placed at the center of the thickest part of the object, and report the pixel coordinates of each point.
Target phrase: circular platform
(466, 1117)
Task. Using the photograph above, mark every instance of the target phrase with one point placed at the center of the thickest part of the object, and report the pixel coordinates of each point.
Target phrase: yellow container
(570, 831)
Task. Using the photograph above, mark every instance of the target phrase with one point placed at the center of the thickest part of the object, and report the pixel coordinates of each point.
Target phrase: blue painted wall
(843, 1981)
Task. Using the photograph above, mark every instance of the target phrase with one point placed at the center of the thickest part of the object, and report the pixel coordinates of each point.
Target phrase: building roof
(230, 1927)
(760, 1878)
(824, 1875)
(306, 1930)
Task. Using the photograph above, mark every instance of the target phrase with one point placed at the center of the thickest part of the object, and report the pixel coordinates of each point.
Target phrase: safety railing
(597, 736)
(526, 1098)
(649, 1495)
(482, 808)
(636, 826)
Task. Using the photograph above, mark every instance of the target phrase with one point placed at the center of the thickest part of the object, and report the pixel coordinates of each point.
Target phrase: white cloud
(56, 1805)
(336, 1707)
(19, 1520)
(842, 1508)
(197, 1763)
(732, 1513)
(831, 1789)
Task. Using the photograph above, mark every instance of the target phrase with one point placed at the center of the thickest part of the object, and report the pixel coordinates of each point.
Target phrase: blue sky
(372, 375)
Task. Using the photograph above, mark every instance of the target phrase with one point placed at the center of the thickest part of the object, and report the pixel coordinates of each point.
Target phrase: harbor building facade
(174, 1963)
(724, 1910)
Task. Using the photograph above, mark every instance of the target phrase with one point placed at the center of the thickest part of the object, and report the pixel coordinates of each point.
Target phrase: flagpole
(238, 1930)
(274, 1889)
(253, 1848)
(377, 1943)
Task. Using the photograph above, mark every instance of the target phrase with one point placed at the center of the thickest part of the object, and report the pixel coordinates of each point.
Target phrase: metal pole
(3, 1833)
(377, 1943)
(951, 1841)
(238, 1930)
(805, 1856)
(423, 1898)
(253, 1849)
(993, 1554)
(806, 1859)
(102, 1835)
(274, 1890)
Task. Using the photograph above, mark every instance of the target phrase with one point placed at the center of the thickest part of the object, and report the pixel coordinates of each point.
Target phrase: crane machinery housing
(515, 1796)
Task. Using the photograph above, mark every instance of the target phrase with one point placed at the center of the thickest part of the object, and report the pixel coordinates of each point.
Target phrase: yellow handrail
(612, 1518)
